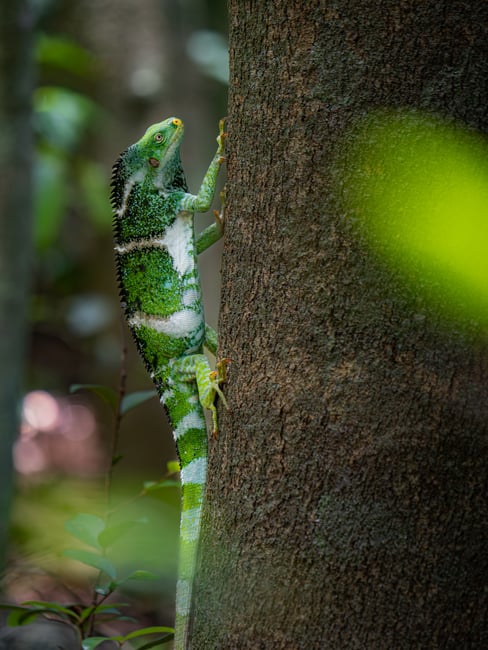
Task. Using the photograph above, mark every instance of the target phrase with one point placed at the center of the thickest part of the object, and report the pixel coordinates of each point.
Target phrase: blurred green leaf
(92, 559)
(144, 631)
(87, 528)
(142, 575)
(210, 51)
(22, 617)
(62, 116)
(154, 486)
(156, 642)
(106, 393)
(418, 189)
(95, 192)
(116, 459)
(18, 614)
(51, 607)
(134, 399)
(111, 608)
(92, 642)
(116, 531)
(65, 54)
(50, 197)
(157, 629)
(173, 466)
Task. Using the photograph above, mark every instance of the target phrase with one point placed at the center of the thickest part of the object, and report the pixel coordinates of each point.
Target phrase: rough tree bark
(347, 496)
(16, 152)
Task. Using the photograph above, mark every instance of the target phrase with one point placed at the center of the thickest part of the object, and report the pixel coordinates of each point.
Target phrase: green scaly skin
(156, 253)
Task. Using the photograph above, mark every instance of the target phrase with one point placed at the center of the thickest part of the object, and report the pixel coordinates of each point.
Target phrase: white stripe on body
(191, 296)
(178, 240)
(190, 524)
(192, 420)
(178, 325)
(194, 472)
(183, 597)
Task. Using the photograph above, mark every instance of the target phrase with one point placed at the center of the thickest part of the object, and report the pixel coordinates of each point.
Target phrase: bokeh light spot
(418, 188)
(41, 411)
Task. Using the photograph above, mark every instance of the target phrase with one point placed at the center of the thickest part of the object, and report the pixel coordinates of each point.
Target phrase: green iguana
(156, 253)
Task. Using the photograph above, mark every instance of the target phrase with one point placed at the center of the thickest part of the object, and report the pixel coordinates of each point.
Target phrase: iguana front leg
(215, 231)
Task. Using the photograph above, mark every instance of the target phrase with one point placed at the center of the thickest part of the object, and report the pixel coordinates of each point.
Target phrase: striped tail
(189, 429)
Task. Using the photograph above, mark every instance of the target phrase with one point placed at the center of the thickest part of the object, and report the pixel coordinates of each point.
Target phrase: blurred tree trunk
(16, 153)
(347, 489)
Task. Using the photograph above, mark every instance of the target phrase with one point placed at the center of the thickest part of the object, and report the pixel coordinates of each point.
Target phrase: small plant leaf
(19, 617)
(134, 399)
(116, 459)
(144, 631)
(101, 609)
(155, 642)
(105, 393)
(157, 629)
(93, 560)
(153, 486)
(142, 575)
(87, 528)
(173, 466)
(115, 532)
(92, 642)
(53, 608)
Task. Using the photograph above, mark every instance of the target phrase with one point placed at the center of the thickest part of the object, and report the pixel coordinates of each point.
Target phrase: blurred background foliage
(105, 70)
(417, 188)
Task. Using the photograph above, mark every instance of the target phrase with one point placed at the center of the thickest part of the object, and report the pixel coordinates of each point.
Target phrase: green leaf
(115, 532)
(134, 399)
(142, 575)
(21, 617)
(112, 608)
(93, 641)
(103, 590)
(62, 116)
(87, 528)
(153, 486)
(18, 614)
(156, 629)
(105, 393)
(153, 644)
(65, 54)
(116, 459)
(173, 466)
(94, 189)
(92, 559)
(54, 608)
(51, 197)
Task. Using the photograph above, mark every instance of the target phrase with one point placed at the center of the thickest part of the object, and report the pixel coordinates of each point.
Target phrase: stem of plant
(98, 599)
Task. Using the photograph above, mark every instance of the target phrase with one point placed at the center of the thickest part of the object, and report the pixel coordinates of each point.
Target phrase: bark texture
(16, 152)
(347, 489)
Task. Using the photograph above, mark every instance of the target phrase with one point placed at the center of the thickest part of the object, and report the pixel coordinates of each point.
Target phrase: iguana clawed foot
(218, 377)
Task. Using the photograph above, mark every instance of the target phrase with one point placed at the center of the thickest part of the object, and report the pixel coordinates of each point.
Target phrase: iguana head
(159, 146)
(153, 161)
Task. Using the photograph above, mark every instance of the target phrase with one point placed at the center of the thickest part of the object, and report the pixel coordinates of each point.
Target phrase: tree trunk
(346, 495)
(16, 81)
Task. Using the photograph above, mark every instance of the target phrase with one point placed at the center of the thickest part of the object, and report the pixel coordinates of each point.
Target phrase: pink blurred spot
(41, 411)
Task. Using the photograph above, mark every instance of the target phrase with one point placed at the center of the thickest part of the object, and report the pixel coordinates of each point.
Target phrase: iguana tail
(181, 399)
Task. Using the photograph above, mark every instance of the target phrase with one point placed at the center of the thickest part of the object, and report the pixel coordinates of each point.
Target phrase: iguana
(156, 253)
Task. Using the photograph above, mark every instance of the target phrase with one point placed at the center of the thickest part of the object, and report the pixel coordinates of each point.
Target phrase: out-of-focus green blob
(419, 189)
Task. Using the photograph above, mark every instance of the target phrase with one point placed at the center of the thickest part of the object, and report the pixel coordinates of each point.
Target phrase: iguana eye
(158, 137)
